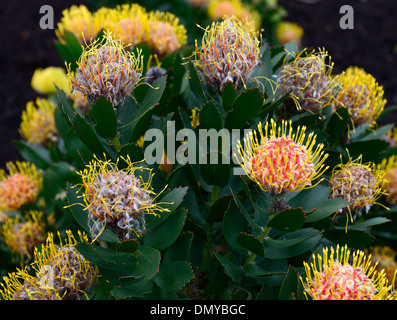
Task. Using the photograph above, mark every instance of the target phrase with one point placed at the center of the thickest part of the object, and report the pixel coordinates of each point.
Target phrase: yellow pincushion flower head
(289, 31)
(218, 9)
(334, 277)
(389, 165)
(308, 79)
(281, 161)
(106, 69)
(80, 22)
(386, 259)
(164, 33)
(38, 122)
(229, 52)
(359, 184)
(129, 22)
(61, 273)
(20, 186)
(21, 235)
(21, 285)
(63, 268)
(43, 80)
(361, 95)
(118, 198)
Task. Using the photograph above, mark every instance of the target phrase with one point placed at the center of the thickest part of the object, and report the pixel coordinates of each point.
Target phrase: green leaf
(228, 96)
(173, 275)
(148, 261)
(366, 224)
(215, 173)
(210, 118)
(106, 120)
(247, 106)
(163, 235)
(369, 149)
(251, 243)
(288, 220)
(76, 206)
(196, 86)
(353, 238)
(233, 224)
(145, 108)
(289, 287)
(135, 288)
(34, 153)
(234, 271)
(326, 208)
(65, 105)
(180, 249)
(291, 244)
(90, 138)
(309, 199)
(132, 150)
(218, 209)
(377, 134)
(337, 125)
(129, 246)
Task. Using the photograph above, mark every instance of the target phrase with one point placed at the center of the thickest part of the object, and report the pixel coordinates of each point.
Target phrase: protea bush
(198, 160)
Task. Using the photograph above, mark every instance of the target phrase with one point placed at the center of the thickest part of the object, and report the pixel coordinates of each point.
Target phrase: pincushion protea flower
(21, 285)
(106, 69)
(43, 80)
(80, 22)
(20, 186)
(361, 95)
(38, 122)
(279, 160)
(128, 22)
(333, 277)
(63, 268)
(164, 33)
(308, 79)
(386, 259)
(219, 9)
(22, 235)
(61, 273)
(288, 32)
(359, 184)
(118, 198)
(229, 51)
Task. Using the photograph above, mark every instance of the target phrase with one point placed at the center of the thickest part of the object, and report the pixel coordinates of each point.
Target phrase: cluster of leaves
(209, 244)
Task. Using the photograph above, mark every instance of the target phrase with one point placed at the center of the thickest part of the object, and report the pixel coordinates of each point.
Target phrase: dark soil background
(24, 47)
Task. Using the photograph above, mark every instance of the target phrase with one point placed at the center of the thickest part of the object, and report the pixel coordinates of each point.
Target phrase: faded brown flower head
(229, 52)
(308, 80)
(118, 198)
(107, 69)
(359, 184)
